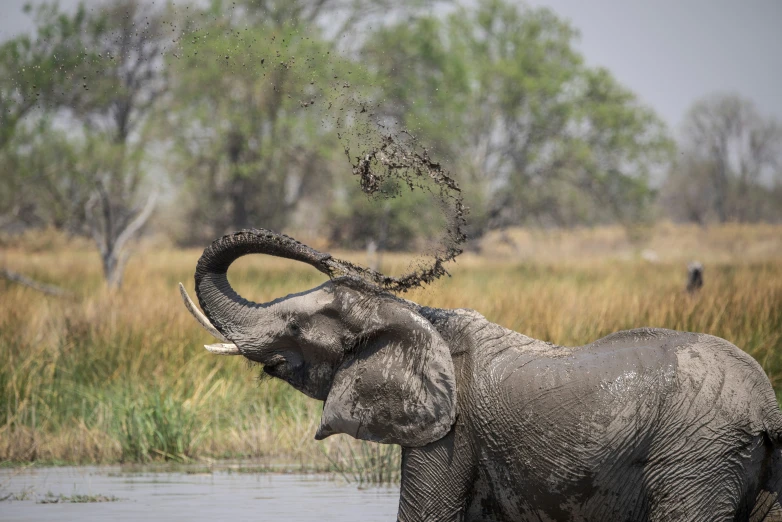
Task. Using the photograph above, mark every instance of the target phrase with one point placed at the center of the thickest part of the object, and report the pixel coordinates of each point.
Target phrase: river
(190, 494)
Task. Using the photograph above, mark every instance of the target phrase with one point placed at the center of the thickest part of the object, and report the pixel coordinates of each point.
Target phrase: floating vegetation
(23, 495)
(363, 463)
(51, 498)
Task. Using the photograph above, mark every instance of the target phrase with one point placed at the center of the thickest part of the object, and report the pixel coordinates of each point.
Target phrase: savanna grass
(121, 377)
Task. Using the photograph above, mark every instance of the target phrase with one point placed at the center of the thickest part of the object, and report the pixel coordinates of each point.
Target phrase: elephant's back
(661, 337)
(656, 370)
(619, 368)
(629, 354)
(723, 382)
(615, 418)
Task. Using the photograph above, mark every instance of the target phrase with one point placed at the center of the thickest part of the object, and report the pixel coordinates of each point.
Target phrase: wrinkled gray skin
(646, 424)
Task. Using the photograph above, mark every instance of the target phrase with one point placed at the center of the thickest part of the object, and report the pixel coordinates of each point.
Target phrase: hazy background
(669, 52)
(191, 119)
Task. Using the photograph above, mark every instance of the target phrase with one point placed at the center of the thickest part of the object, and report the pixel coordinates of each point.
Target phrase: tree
(38, 73)
(504, 99)
(36, 78)
(733, 157)
(688, 193)
(44, 182)
(130, 39)
(252, 103)
(248, 123)
(615, 146)
(113, 56)
(258, 105)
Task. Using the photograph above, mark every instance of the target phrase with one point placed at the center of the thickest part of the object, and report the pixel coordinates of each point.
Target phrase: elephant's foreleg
(435, 480)
(768, 504)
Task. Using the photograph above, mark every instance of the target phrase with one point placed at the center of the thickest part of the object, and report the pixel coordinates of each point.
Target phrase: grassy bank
(107, 377)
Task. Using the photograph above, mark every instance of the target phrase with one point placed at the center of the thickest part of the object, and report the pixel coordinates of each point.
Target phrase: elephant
(645, 424)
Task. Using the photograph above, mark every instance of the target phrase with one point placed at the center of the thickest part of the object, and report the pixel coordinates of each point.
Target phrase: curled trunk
(229, 312)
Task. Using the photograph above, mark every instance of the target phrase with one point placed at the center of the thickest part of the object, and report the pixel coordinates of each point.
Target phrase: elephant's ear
(397, 388)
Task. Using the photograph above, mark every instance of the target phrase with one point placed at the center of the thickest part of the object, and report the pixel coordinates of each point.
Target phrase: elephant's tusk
(223, 349)
(201, 318)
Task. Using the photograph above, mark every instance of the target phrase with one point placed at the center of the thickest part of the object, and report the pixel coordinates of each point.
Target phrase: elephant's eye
(294, 328)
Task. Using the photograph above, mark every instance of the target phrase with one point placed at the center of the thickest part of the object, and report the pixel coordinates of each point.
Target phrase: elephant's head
(383, 370)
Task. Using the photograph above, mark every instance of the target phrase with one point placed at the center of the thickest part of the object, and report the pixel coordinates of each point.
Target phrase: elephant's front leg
(436, 479)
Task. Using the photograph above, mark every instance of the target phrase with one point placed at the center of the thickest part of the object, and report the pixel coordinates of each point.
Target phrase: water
(192, 496)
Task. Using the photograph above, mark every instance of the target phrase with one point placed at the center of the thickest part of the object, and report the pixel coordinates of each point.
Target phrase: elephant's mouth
(273, 367)
(274, 360)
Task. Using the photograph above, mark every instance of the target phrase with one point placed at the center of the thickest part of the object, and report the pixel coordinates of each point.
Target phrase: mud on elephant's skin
(646, 424)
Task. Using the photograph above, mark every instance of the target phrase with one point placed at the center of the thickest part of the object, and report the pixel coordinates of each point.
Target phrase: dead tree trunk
(111, 235)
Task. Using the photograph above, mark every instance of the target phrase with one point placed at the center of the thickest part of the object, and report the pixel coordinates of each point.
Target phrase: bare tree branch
(135, 225)
(35, 285)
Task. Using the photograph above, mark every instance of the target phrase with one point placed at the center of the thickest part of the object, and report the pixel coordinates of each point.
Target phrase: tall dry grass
(107, 377)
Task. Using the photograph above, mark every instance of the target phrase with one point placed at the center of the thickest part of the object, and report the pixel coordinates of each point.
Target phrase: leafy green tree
(616, 145)
(262, 94)
(503, 97)
(252, 104)
(248, 118)
(44, 183)
(38, 73)
(37, 77)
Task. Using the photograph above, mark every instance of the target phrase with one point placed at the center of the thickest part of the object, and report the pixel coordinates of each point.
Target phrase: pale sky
(672, 52)
(669, 52)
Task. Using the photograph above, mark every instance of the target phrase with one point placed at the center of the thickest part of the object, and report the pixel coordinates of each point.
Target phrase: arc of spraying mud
(398, 161)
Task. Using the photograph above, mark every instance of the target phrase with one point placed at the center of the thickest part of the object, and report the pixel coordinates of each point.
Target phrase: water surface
(191, 495)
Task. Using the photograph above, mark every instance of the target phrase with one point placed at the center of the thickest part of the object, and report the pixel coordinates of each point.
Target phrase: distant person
(694, 277)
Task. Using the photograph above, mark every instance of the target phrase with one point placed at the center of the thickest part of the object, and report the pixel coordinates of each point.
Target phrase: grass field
(107, 377)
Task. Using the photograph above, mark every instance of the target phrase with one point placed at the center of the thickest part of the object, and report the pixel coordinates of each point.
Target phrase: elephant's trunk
(230, 313)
